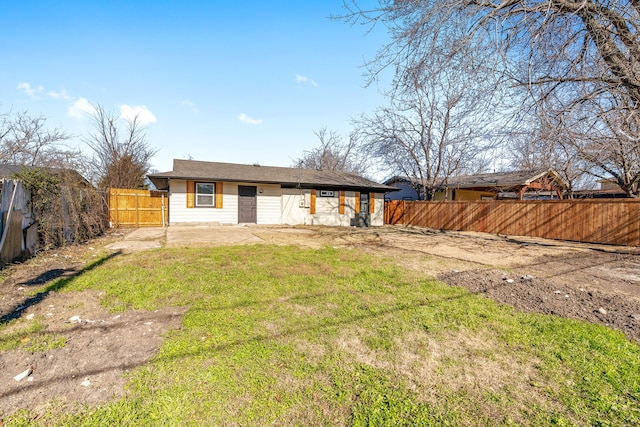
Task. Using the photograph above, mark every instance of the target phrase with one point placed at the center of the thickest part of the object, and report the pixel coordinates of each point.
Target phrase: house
(229, 193)
(609, 189)
(522, 185)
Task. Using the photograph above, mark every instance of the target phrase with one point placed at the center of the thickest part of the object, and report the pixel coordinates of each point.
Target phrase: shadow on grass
(318, 327)
(16, 311)
(47, 276)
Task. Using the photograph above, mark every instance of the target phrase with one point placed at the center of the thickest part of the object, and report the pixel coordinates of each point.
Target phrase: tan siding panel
(219, 194)
(312, 206)
(191, 194)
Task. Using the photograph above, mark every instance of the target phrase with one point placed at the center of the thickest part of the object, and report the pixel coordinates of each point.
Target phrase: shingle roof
(293, 177)
(9, 170)
(499, 179)
(502, 179)
(6, 171)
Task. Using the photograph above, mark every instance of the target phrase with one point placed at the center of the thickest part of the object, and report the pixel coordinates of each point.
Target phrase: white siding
(377, 218)
(274, 206)
(269, 204)
(292, 213)
(179, 213)
(328, 210)
(350, 202)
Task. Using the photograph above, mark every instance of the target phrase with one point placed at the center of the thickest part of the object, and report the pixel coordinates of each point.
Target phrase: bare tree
(544, 148)
(579, 60)
(334, 154)
(121, 157)
(610, 145)
(26, 141)
(64, 206)
(560, 41)
(442, 116)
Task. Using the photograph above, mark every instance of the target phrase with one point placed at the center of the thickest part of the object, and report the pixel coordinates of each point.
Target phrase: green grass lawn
(286, 336)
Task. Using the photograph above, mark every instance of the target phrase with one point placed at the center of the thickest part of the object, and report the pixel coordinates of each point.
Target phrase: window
(205, 192)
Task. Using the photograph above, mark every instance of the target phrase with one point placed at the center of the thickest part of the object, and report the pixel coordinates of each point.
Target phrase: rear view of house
(229, 193)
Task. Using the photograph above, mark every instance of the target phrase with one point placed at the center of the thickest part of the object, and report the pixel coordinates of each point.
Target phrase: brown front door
(247, 204)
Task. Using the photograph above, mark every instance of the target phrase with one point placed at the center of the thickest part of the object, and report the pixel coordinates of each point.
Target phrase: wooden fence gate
(138, 208)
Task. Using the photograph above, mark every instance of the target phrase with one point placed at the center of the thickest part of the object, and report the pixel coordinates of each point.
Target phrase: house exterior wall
(269, 203)
(267, 200)
(179, 213)
(377, 218)
(407, 192)
(461, 194)
(327, 208)
(295, 206)
(275, 205)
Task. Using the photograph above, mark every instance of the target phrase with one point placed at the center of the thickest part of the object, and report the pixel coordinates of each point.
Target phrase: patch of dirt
(596, 283)
(100, 347)
(539, 295)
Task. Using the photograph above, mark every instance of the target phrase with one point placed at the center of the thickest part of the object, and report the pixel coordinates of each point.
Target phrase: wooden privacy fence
(138, 208)
(14, 201)
(612, 221)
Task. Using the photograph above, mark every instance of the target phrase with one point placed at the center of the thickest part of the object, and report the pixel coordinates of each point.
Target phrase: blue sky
(241, 82)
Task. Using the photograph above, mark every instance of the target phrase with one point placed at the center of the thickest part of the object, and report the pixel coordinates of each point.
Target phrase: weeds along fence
(611, 221)
(138, 208)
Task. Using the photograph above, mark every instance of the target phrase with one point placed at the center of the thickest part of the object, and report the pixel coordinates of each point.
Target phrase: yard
(322, 326)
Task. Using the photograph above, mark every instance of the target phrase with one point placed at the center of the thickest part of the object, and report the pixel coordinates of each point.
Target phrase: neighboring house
(522, 185)
(228, 193)
(609, 189)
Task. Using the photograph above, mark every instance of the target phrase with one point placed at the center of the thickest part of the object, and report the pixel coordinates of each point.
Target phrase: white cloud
(63, 94)
(80, 109)
(190, 105)
(30, 91)
(144, 115)
(305, 80)
(246, 119)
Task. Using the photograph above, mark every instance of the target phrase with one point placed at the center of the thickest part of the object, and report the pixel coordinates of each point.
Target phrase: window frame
(197, 194)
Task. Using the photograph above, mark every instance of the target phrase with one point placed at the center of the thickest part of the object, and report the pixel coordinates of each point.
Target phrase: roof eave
(163, 180)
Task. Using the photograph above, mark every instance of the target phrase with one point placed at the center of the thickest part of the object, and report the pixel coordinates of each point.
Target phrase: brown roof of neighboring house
(498, 179)
(504, 179)
(9, 170)
(288, 177)
(6, 171)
